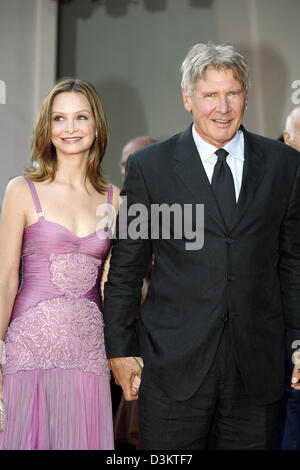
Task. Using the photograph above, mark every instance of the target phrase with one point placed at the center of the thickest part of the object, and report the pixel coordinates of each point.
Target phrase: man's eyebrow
(216, 91)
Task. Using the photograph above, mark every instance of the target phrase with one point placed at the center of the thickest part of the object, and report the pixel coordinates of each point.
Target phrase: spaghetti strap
(109, 203)
(35, 197)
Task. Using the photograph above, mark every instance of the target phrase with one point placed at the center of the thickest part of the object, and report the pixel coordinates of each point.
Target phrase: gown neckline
(66, 229)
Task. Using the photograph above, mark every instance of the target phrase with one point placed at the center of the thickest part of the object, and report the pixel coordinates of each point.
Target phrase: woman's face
(73, 126)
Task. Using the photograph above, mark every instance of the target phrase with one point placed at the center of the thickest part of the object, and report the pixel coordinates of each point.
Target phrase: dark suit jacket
(250, 272)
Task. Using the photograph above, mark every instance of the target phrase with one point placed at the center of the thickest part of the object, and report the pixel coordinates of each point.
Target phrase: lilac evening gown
(56, 377)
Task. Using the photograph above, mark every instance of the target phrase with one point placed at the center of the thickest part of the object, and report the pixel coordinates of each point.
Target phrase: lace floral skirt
(57, 409)
(56, 375)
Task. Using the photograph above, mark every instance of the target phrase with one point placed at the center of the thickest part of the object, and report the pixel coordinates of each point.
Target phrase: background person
(56, 375)
(291, 134)
(214, 319)
(132, 146)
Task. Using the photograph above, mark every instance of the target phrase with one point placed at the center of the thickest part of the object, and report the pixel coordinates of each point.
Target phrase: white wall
(133, 55)
(28, 69)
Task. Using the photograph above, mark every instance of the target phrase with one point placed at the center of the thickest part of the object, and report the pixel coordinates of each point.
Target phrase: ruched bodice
(42, 242)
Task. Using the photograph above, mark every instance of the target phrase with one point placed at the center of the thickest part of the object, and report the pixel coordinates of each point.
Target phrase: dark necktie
(223, 186)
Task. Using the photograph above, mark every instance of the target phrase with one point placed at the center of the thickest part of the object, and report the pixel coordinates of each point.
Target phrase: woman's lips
(71, 140)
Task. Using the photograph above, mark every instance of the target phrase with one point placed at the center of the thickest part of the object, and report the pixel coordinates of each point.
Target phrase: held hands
(127, 373)
(296, 371)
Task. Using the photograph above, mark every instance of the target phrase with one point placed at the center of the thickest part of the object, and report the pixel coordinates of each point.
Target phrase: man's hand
(296, 371)
(127, 373)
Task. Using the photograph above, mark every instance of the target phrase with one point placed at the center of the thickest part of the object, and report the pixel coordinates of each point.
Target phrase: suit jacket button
(225, 318)
(229, 240)
(231, 277)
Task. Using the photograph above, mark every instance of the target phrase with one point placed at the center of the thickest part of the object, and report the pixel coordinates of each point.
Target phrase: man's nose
(223, 105)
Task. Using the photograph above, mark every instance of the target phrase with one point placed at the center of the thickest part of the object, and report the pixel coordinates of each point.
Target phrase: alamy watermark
(296, 94)
(159, 221)
(2, 92)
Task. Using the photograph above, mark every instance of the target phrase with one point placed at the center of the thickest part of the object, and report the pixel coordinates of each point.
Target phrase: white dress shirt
(235, 159)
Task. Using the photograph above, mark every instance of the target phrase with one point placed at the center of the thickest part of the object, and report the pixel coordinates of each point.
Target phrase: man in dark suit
(217, 314)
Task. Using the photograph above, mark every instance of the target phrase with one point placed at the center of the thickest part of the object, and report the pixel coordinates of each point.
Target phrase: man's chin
(222, 138)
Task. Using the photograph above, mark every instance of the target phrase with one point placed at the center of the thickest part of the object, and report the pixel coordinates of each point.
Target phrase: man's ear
(286, 137)
(186, 101)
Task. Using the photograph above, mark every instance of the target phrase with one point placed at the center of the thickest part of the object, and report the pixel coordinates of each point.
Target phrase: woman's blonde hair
(43, 153)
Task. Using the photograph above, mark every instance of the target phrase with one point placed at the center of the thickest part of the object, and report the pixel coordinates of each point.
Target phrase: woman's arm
(11, 234)
(116, 201)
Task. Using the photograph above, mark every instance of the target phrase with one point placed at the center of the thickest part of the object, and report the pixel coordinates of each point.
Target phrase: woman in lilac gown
(54, 382)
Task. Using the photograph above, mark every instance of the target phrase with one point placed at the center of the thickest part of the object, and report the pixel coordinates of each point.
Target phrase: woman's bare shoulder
(18, 189)
(18, 195)
(16, 183)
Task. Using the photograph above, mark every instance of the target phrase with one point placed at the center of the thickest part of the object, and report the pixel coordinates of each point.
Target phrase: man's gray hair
(218, 56)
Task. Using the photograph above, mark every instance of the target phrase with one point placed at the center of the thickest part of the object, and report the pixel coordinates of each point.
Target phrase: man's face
(217, 104)
(293, 139)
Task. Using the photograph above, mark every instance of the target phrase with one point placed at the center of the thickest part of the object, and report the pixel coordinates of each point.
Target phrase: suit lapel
(253, 173)
(188, 166)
